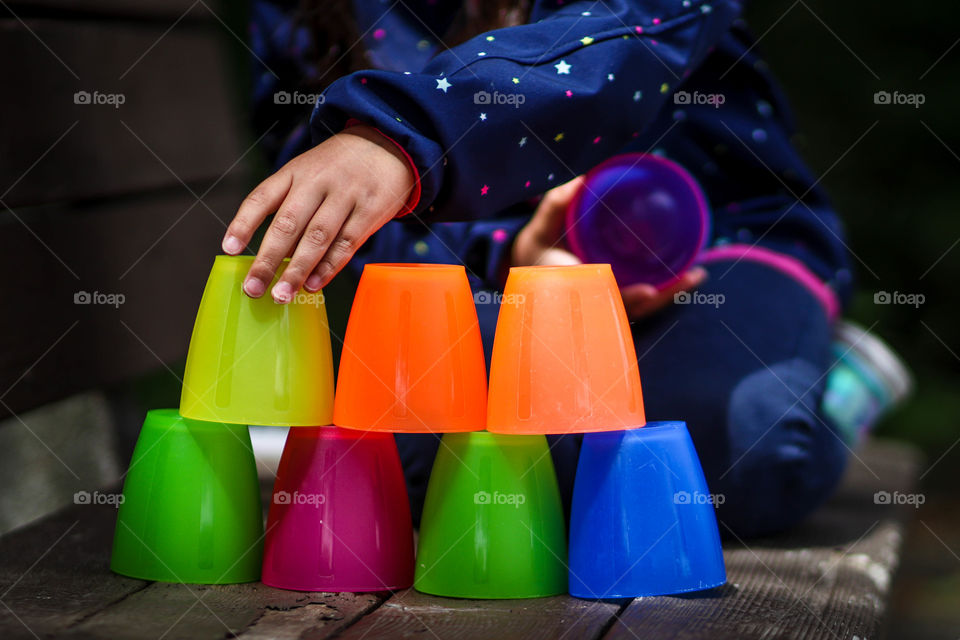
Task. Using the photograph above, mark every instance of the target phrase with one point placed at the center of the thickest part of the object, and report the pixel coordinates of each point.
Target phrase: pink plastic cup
(339, 518)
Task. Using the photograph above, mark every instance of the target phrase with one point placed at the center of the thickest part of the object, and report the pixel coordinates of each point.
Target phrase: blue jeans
(745, 366)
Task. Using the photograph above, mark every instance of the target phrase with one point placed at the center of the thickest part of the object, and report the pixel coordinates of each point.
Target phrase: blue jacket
(509, 114)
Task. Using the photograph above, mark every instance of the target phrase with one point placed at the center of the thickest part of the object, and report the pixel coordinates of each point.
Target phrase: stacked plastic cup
(412, 358)
(191, 504)
(642, 521)
(191, 510)
(564, 362)
(339, 518)
(563, 358)
(492, 523)
(252, 361)
(412, 362)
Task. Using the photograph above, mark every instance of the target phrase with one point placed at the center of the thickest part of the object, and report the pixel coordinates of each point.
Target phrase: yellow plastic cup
(253, 361)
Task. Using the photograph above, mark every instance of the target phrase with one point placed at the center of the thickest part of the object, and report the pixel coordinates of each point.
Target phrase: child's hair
(338, 49)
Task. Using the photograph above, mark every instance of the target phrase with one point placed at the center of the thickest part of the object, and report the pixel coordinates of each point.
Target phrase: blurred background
(126, 149)
(897, 191)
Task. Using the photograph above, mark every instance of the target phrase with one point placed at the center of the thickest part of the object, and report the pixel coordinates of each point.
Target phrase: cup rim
(225, 257)
(167, 418)
(327, 431)
(485, 438)
(653, 425)
(413, 266)
(586, 266)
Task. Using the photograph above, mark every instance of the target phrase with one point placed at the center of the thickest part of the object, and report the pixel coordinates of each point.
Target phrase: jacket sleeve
(516, 111)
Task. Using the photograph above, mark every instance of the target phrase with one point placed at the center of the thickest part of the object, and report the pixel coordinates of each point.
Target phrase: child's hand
(540, 242)
(328, 200)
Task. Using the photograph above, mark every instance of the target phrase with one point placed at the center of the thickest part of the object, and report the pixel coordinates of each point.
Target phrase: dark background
(897, 191)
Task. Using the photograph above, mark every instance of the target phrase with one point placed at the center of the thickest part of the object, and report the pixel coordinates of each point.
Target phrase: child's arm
(591, 76)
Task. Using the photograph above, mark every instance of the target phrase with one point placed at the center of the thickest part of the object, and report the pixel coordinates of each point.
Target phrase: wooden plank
(54, 578)
(826, 579)
(55, 573)
(175, 611)
(51, 453)
(175, 123)
(410, 614)
(154, 251)
(320, 616)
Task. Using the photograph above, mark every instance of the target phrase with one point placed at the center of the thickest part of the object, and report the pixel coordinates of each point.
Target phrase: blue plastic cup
(642, 521)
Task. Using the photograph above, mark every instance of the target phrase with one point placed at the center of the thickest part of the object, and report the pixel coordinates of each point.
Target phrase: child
(532, 95)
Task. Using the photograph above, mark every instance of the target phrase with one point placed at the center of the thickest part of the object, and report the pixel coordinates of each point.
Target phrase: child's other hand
(540, 242)
(328, 200)
(643, 299)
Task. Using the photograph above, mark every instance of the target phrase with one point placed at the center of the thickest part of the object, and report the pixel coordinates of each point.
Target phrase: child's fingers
(554, 256)
(260, 203)
(316, 240)
(643, 299)
(355, 231)
(292, 216)
(639, 299)
(690, 279)
(549, 219)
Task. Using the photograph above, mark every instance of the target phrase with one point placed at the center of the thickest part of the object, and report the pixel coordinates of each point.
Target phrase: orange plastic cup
(563, 356)
(412, 356)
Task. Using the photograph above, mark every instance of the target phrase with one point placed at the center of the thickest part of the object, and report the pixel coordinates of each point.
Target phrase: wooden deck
(827, 579)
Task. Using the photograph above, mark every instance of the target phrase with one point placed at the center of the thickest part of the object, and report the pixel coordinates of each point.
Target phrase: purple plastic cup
(643, 214)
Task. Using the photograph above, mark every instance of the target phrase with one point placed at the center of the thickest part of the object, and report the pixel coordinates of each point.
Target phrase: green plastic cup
(191, 507)
(492, 524)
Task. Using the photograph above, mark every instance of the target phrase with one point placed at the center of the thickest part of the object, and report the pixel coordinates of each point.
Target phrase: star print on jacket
(448, 107)
(548, 100)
